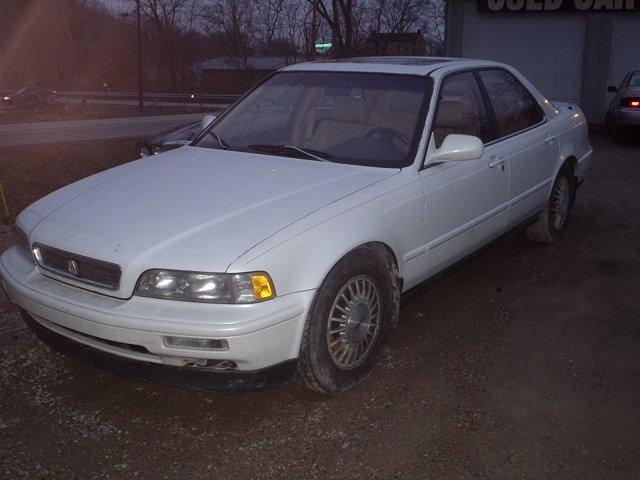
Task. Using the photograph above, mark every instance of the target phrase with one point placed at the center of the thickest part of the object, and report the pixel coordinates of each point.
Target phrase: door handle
(549, 139)
(495, 161)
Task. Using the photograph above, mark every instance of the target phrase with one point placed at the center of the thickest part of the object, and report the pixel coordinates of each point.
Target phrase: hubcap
(354, 321)
(561, 201)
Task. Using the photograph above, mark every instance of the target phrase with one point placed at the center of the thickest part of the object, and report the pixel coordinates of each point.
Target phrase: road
(148, 103)
(522, 364)
(78, 130)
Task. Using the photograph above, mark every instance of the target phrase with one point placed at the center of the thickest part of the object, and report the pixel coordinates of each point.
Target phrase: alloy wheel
(354, 322)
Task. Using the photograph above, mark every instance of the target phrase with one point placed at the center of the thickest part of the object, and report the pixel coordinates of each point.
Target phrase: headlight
(205, 287)
(22, 241)
(144, 152)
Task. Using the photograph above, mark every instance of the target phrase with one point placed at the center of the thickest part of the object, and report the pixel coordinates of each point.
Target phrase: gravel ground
(524, 363)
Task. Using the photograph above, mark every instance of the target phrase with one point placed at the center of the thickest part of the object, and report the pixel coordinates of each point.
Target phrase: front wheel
(551, 223)
(347, 324)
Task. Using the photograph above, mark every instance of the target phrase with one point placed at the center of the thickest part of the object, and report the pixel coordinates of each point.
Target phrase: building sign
(323, 47)
(491, 6)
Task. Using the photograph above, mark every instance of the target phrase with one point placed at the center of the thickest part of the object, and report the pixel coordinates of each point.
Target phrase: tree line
(91, 44)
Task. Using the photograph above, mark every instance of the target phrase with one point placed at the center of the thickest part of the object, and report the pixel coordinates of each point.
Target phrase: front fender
(391, 212)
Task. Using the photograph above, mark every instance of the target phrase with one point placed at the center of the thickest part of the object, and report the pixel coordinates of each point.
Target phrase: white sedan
(279, 242)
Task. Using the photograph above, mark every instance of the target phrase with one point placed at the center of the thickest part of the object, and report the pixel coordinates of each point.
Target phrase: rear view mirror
(612, 89)
(456, 148)
(207, 120)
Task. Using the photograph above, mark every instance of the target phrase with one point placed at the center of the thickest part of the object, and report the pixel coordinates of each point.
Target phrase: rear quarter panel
(572, 132)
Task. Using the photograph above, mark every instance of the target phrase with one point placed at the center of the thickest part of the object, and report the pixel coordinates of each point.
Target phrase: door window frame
(490, 126)
(487, 100)
(488, 106)
(488, 109)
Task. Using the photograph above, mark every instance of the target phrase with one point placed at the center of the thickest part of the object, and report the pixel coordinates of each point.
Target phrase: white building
(571, 49)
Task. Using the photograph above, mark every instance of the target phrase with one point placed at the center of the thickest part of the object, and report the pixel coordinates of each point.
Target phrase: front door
(466, 201)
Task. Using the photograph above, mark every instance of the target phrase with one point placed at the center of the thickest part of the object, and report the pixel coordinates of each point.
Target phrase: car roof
(394, 65)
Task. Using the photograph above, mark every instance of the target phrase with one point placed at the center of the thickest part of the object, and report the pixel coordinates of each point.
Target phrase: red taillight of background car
(631, 102)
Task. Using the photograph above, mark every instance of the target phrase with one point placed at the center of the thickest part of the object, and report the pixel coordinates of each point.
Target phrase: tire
(552, 222)
(319, 365)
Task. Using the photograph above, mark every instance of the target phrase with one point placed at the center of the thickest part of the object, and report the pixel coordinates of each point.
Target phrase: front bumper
(260, 336)
(200, 379)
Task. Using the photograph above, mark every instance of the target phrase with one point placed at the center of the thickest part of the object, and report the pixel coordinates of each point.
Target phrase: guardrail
(193, 98)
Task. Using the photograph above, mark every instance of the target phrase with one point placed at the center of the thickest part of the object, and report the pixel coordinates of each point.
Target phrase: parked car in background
(623, 115)
(279, 242)
(170, 139)
(30, 97)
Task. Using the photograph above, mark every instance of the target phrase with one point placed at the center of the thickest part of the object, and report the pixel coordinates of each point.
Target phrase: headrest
(405, 102)
(349, 110)
(451, 113)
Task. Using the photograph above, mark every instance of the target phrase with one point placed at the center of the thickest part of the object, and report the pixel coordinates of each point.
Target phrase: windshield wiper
(218, 138)
(283, 149)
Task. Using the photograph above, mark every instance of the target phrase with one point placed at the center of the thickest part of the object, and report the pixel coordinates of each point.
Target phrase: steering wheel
(387, 135)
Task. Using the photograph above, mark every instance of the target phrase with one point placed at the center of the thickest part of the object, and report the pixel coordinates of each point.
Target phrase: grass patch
(29, 173)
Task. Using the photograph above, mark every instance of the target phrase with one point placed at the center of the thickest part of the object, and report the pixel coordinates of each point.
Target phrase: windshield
(357, 118)
(634, 81)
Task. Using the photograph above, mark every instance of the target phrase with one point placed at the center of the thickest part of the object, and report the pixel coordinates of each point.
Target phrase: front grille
(83, 269)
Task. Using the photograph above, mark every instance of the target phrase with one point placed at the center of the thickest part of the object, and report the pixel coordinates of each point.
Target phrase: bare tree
(350, 21)
(270, 15)
(235, 20)
(395, 16)
(434, 26)
(172, 20)
(339, 16)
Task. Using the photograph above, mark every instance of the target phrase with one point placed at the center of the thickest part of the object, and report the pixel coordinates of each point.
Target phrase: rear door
(526, 139)
(466, 202)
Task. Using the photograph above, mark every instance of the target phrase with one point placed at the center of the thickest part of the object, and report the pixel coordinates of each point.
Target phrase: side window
(460, 109)
(634, 80)
(514, 106)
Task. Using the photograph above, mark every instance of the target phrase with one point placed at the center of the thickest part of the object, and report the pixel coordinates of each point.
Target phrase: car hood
(193, 208)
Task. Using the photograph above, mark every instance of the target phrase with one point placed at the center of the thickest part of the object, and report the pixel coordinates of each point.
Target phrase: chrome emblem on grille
(73, 267)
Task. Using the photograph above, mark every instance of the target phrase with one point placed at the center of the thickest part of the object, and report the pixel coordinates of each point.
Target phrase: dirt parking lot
(522, 364)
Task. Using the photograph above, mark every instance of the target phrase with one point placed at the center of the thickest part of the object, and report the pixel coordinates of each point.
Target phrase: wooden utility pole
(314, 29)
(4, 205)
(140, 70)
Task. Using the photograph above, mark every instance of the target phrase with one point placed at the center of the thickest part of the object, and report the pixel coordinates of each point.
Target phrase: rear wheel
(347, 324)
(552, 222)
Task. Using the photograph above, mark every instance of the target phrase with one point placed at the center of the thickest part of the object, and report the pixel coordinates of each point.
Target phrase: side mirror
(207, 120)
(612, 89)
(456, 148)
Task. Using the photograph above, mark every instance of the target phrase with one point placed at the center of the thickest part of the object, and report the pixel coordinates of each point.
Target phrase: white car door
(466, 201)
(527, 140)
